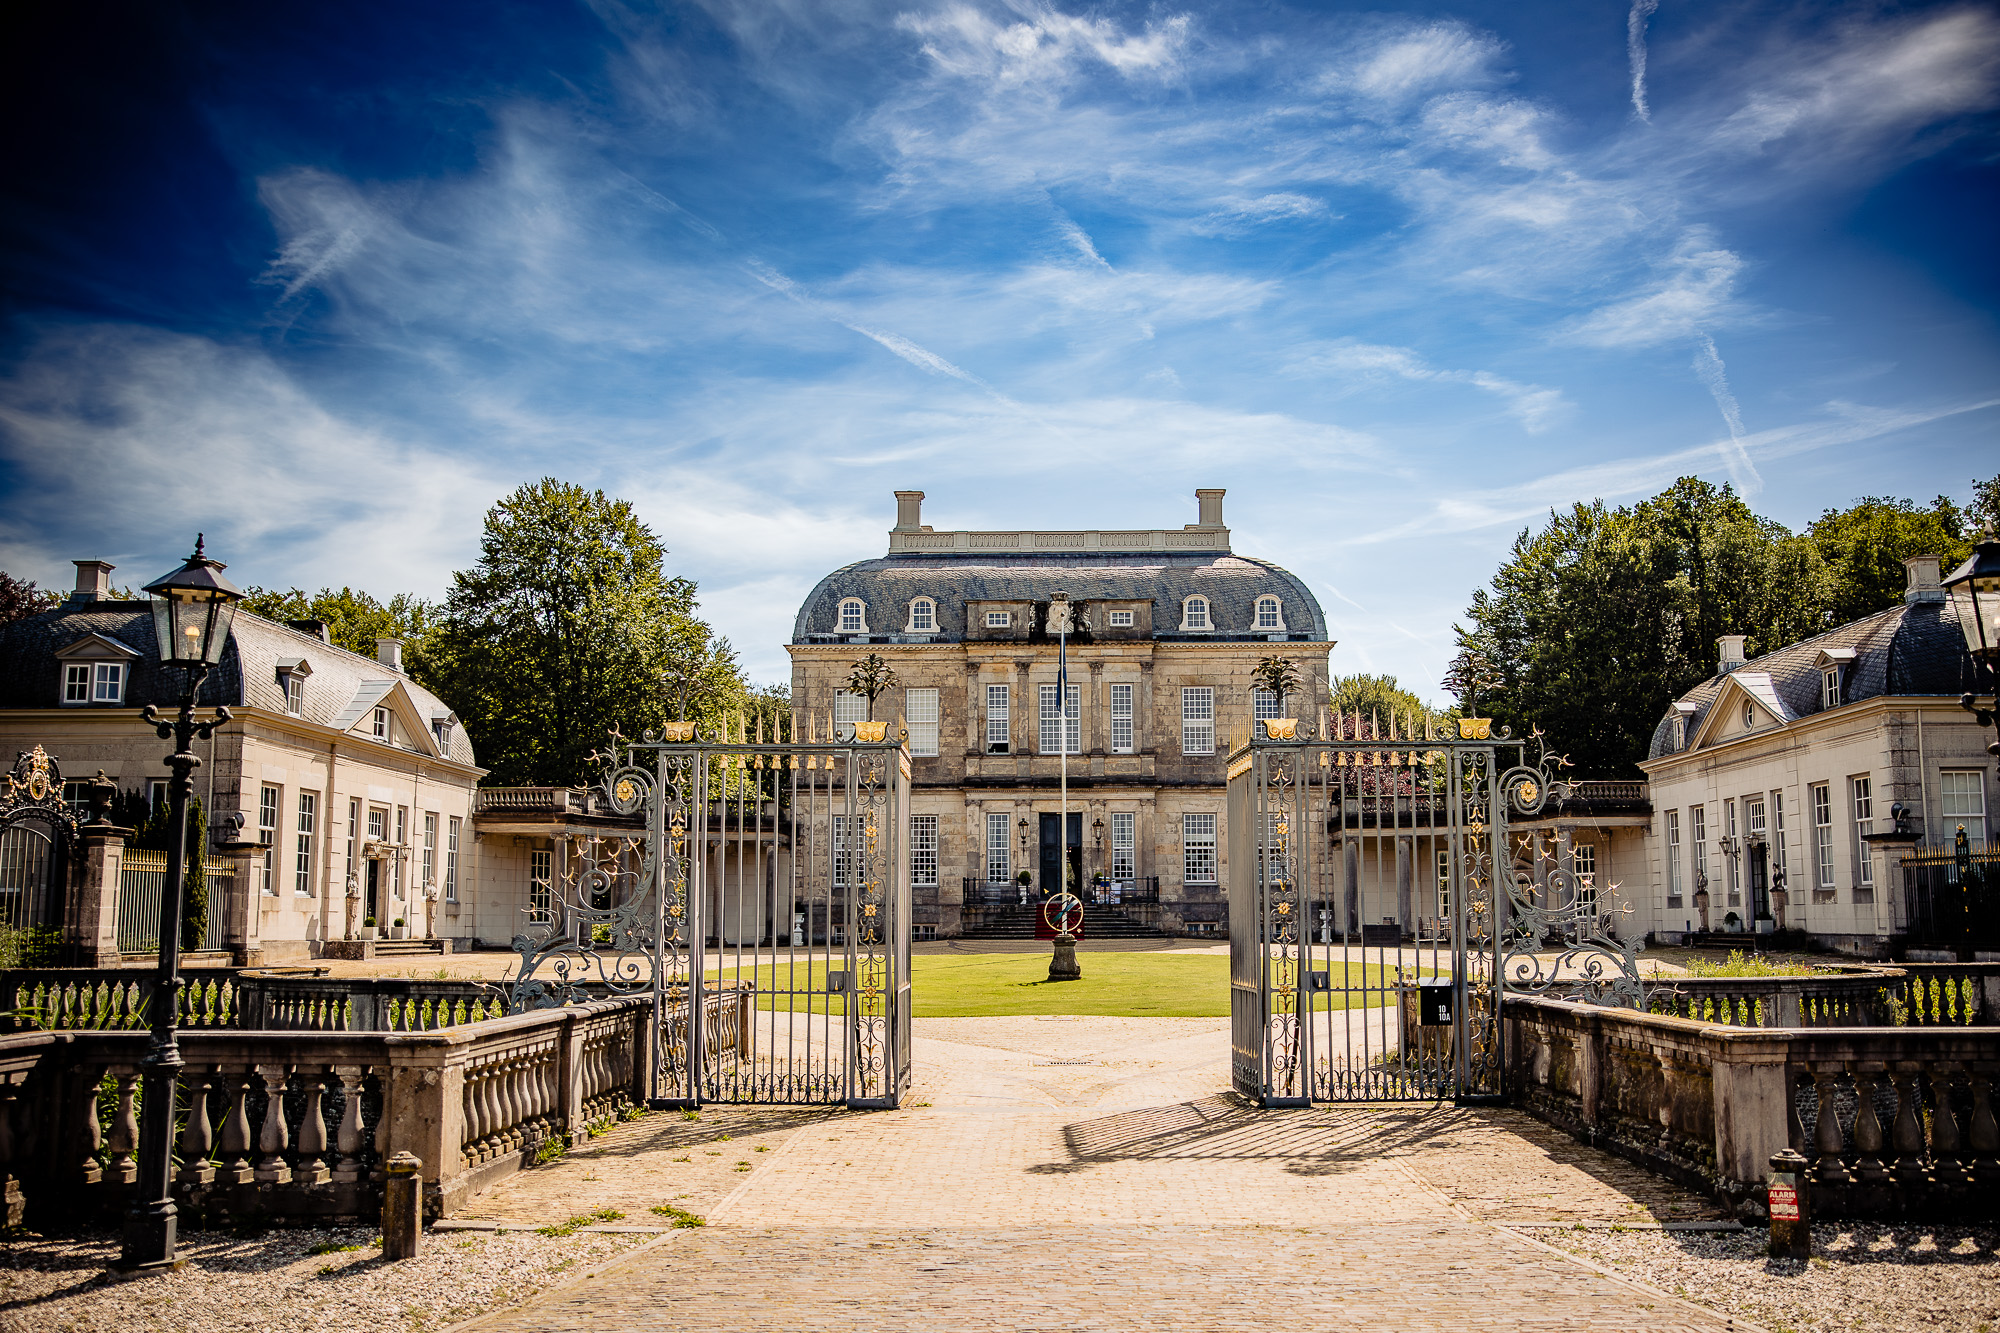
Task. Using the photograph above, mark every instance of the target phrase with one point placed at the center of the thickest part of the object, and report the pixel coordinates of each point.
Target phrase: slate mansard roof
(1232, 584)
(31, 673)
(1906, 650)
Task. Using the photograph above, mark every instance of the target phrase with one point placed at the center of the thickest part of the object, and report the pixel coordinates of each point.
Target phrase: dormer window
(94, 683)
(441, 729)
(292, 673)
(1682, 712)
(999, 619)
(1270, 614)
(1194, 614)
(1829, 687)
(923, 616)
(853, 617)
(1120, 619)
(382, 729)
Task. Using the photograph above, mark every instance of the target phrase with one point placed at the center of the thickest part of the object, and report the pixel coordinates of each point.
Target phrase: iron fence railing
(1951, 900)
(142, 878)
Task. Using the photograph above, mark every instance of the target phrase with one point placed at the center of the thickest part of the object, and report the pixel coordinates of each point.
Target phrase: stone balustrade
(118, 998)
(1911, 1131)
(1903, 995)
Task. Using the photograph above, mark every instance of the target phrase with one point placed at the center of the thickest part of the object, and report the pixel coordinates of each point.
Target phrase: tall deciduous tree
(1864, 547)
(567, 626)
(354, 620)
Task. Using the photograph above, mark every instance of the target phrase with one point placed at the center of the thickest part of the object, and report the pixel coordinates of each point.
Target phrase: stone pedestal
(93, 937)
(1062, 963)
(403, 1207)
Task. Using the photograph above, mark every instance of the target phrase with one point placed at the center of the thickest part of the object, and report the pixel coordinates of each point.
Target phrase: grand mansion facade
(1170, 626)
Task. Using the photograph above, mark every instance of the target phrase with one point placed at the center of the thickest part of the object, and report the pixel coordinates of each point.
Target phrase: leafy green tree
(1983, 514)
(1367, 694)
(1864, 547)
(20, 598)
(354, 620)
(567, 626)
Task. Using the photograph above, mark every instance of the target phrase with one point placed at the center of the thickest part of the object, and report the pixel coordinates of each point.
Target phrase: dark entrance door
(1052, 882)
(374, 883)
(1760, 880)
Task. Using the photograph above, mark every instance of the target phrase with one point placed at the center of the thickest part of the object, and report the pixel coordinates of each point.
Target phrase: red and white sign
(1784, 1203)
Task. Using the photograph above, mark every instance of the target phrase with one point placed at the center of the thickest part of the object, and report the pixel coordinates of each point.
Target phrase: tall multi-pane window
(999, 868)
(1778, 862)
(1268, 616)
(1583, 863)
(302, 866)
(267, 833)
(998, 719)
(541, 897)
(844, 828)
(853, 620)
(1124, 846)
(1444, 888)
(920, 715)
(1197, 720)
(402, 839)
(1863, 797)
(923, 849)
(1673, 858)
(923, 616)
(1195, 614)
(451, 835)
(1963, 803)
(380, 724)
(1829, 688)
(1753, 825)
(1698, 846)
(353, 835)
(1266, 703)
(1732, 875)
(1062, 728)
(295, 692)
(848, 708)
(1121, 719)
(1822, 818)
(1198, 849)
(429, 877)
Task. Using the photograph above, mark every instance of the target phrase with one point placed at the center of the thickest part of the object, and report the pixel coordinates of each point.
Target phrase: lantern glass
(193, 608)
(1975, 589)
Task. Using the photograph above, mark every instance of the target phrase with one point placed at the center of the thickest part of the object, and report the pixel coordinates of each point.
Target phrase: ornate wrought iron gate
(1369, 950)
(765, 907)
(37, 838)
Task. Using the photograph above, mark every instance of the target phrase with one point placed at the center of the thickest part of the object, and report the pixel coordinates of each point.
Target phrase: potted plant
(367, 927)
(397, 930)
(1023, 881)
(1732, 923)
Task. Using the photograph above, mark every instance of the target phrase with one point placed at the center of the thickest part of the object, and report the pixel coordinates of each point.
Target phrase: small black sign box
(1434, 1003)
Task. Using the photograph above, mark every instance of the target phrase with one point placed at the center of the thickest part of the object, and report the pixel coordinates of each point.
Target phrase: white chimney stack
(1211, 508)
(93, 580)
(1729, 652)
(389, 652)
(1923, 581)
(909, 511)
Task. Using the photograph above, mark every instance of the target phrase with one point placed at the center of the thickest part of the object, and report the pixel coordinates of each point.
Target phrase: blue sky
(326, 283)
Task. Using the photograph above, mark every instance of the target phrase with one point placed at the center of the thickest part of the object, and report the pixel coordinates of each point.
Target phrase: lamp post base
(151, 1233)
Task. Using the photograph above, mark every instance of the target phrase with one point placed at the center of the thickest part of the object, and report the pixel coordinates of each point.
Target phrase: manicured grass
(1130, 985)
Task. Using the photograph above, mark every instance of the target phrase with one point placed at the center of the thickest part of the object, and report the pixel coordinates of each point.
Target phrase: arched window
(1270, 614)
(923, 616)
(853, 617)
(1194, 614)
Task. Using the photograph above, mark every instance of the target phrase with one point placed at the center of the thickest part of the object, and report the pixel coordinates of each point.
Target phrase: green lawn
(1133, 985)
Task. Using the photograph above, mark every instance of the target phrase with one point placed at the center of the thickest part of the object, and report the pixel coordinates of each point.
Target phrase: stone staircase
(1100, 922)
(409, 948)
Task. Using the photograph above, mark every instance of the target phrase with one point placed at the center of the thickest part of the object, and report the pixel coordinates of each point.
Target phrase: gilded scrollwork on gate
(1281, 900)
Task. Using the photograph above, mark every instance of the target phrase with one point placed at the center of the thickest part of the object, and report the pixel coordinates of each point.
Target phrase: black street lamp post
(1976, 584)
(192, 611)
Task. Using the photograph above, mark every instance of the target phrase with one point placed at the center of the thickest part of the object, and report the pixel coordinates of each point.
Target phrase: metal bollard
(1789, 1197)
(403, 1207)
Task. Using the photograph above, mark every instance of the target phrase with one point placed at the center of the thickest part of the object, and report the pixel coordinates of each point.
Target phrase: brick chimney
(1729, 653)
(1211, 508)
(93, 580)
(1922, 583)
(389, 652)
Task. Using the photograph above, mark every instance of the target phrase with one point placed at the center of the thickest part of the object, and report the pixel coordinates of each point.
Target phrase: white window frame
(920, 719)
(1197, 615)
(999, 719)
(1122, 694)
(1442, 862)
(1583, 865)
(1673, 847)
(999, 847)
(94, 681)
(396, 861)
(382, 728)
(923, 616)
(845, 854)
(353, 836)
(541, 891)
(924, 850)
(307, 835)
(1778, 861)
(999, 620)
(430, 850)
(1820, 796)
(1971, 781)
(1120, 619)
(1270, 615)
(848, 709)
(76, 683)
(452, 834)
(1197, 719)
(270, 800)
(1861, 801)
(1734, 875)
(851, 616)
(1829, 687)
(1124, 846)
(295, 692)
(1266, 704)
(1199, 863)
(1059, 732)
(1698, 846)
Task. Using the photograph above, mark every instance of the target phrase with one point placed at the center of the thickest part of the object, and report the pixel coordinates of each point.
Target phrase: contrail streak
(1635, 47)
(1708, 368)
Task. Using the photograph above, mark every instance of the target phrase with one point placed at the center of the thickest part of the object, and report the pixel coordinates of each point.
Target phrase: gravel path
(276, 1283)
(1863, 1277)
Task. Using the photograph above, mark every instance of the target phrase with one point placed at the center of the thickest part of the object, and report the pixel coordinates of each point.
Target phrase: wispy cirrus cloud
(1535, 407)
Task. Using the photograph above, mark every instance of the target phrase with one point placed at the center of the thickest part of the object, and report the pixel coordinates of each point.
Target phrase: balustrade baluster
(1827, 1136)
(514, 1100)
(477, 1121)
(485, 1146)
(198, 1139)
(1945, 1164)
(1868, 1139)
(124, 1139)
(12, 1203)
(272, 1141)
(1984, 1135)
(236, 1169)
(1907, 1131)
(312, 1169)
(383, 1076)
(347, 1140)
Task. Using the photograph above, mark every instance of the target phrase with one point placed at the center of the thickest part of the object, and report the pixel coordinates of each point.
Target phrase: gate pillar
(92, 929)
